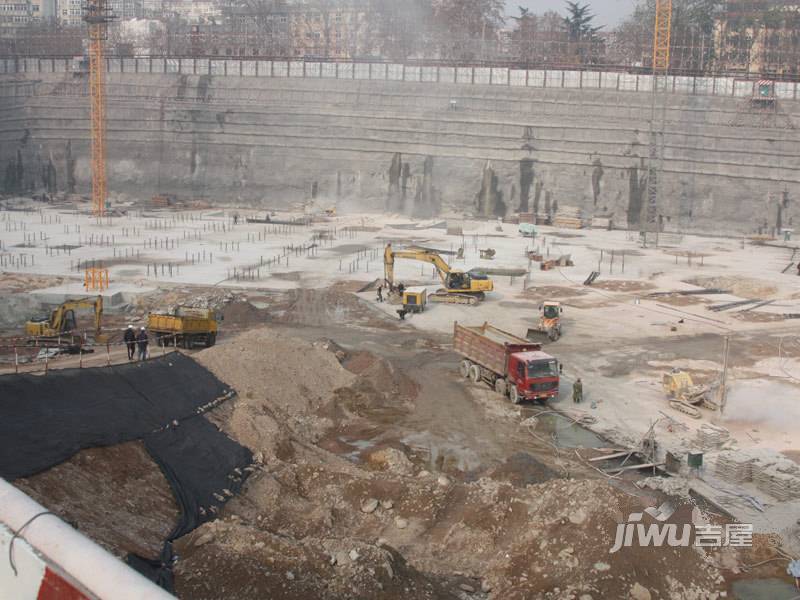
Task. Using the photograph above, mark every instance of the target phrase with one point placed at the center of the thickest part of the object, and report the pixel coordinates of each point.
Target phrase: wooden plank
(610, 456)
(635, 467)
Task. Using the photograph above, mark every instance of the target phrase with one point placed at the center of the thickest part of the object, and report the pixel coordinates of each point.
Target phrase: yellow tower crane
(662, 33)
(97, 16)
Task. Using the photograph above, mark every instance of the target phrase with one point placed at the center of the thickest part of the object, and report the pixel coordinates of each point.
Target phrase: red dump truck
(513, 366)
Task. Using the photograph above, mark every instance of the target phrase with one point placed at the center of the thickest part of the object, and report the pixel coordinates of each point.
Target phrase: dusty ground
(385, 475)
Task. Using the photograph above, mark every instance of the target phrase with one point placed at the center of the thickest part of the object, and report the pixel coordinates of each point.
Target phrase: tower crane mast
(662, 33)
(97, 16)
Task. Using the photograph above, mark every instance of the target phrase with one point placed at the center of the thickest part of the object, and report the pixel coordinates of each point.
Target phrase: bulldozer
(459, 287)
(686, 396)
(60, 327)
(549, 321)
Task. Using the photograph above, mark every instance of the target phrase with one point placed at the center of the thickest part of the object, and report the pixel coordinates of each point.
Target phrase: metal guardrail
(412, 72)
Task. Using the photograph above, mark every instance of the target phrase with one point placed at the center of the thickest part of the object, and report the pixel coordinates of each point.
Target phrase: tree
(578, 22)
(465, 28)
(585, 46)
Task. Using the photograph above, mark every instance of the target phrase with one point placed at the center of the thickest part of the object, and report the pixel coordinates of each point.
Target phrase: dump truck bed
(181, 324)
(489, 346)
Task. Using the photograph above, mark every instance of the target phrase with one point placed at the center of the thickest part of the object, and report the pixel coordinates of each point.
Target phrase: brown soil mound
(242, 313)
(328, 307)
(623, 285)
(519, 541)
(280, 380)
(116, 495)
(744, 287)
(543, 292)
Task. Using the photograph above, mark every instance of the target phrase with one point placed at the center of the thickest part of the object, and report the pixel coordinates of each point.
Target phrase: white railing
(486, 76)
(41, 552)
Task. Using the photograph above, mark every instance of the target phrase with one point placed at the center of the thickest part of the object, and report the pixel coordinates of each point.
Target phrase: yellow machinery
(415, 299)
(549, 321)
(459, 287)
(62, 325)
(184, 327)
(685, 395)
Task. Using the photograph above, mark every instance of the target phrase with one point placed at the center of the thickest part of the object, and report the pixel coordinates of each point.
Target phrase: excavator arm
(419, 254)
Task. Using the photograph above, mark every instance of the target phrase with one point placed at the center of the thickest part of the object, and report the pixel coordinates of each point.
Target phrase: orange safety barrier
(95, 279)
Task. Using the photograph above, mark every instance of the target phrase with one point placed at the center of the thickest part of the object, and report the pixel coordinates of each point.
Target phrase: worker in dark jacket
(130, 341)
(141, 339)
(577, 391)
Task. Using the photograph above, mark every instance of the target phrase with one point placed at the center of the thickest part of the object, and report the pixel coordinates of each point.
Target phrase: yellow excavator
(459, 287)
(61, 325)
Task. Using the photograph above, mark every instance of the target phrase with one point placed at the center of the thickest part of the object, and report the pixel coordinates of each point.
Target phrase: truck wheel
(514, 395)
(187, 341)
(475, 373)
(463, 368)
(211, 340)
(500, 386)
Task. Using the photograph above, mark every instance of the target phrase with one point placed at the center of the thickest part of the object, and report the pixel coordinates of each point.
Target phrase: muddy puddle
(562, 431)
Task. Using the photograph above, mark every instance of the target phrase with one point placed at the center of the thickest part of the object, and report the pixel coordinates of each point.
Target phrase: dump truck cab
(535, 374)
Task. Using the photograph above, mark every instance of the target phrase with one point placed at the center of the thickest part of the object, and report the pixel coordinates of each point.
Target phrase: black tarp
(45, 419)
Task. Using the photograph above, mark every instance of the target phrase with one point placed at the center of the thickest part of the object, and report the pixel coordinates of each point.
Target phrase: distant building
(758, 37)
(125, 9)
(69, 12)
(15, 14)
(282, 28)
(192, 11)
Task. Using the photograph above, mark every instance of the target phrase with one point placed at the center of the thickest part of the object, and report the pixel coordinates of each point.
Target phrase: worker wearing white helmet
(142, 340)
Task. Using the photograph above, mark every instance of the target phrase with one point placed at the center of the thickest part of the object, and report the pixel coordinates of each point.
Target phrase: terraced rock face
(373, 145)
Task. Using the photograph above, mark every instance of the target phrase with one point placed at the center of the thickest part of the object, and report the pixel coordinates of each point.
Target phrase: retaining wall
(263, 132)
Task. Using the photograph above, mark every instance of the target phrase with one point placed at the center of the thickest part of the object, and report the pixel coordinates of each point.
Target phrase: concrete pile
(778, 477)
(711, 436)
(735, 467)
(780, 480)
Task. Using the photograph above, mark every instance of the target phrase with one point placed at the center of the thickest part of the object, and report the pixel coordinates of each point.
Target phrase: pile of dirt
(623, 285)
(241, 313)
(544, 292)
(330, 306)
(116, 495)
(13, 283)
(249, 562)
(743, 287)
(280, 381)
(548, 539)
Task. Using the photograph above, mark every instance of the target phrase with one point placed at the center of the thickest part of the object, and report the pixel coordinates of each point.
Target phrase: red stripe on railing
(55, 587)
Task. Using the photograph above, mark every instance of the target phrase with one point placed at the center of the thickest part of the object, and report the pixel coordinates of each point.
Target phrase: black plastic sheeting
(204, 468)
(44, 420)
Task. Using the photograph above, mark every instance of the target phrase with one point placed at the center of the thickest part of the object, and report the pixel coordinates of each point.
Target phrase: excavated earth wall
(413, 147)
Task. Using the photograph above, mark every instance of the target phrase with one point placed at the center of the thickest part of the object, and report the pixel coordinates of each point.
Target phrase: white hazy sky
(609, 12)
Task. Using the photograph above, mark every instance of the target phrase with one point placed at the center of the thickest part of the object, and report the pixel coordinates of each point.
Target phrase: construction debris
(710, 436)
(569, 217)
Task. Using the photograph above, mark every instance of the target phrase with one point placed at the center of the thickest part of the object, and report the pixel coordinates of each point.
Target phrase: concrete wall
(265, 139)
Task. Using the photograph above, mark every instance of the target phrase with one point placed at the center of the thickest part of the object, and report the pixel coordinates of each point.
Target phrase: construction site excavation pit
(347, 454)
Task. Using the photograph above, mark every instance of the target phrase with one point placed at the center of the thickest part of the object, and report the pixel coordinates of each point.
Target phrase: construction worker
(130, 341)
(380, 293)
(577, 391)
(141, 339)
